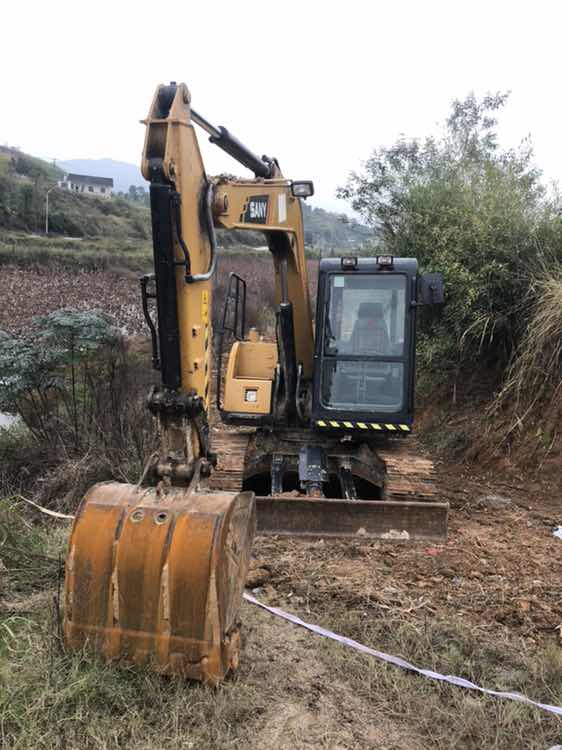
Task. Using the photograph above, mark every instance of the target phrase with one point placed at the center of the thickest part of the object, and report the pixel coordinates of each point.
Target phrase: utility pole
(47, 209)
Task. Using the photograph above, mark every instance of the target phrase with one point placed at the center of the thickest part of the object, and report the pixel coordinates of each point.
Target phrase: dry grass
(531, 394)
(29, 552)
(49, 699)
(441, 716)
(536, 372)
(294, 690)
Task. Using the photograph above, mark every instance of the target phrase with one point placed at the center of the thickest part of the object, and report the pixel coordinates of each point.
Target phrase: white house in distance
(88, 184)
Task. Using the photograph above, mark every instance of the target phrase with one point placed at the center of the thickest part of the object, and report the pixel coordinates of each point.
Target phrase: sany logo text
(258, 210)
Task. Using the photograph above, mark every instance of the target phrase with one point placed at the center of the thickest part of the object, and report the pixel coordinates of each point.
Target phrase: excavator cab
(365, 348)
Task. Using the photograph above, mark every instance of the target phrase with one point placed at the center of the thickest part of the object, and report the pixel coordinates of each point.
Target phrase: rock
(446, 572)
(495, 502)
(257, 577)
(393, 534)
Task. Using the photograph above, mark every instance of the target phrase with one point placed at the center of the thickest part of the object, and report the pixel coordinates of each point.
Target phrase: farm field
(52, 278)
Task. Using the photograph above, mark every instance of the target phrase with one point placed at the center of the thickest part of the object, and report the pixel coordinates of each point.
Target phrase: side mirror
(430, 289)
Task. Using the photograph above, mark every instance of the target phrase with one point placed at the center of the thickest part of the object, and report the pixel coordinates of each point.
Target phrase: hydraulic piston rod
(261, 167)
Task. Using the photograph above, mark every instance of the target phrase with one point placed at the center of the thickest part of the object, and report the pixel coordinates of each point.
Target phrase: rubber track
(409, 475)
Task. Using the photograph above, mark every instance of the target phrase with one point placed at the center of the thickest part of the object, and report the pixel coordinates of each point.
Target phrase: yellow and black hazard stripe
(332, 424)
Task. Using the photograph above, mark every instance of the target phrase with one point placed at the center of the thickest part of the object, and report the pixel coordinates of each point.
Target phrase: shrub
(480, 214)
(81, 393)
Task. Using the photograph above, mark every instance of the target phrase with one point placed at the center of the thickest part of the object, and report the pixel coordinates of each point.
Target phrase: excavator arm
(186, 207)
(272, 208)
(155, 571)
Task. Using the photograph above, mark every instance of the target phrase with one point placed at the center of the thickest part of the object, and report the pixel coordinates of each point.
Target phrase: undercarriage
(311, 486)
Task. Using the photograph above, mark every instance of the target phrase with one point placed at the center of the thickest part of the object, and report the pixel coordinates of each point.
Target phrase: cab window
(366, 315)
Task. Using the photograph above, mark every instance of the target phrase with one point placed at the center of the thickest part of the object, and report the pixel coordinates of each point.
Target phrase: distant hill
(124, 174)
(24, 181)
(13, 161)
(325, 230)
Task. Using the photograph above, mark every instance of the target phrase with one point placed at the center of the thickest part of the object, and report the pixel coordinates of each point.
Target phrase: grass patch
(97, 254)
(30, 552)
(4, 164)
(444, 716)
(50, 699)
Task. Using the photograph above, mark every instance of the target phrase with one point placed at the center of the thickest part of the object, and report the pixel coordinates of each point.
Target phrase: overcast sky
(318, 84)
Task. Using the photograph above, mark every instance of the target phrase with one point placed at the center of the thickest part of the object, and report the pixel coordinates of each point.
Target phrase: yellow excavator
(315, 424)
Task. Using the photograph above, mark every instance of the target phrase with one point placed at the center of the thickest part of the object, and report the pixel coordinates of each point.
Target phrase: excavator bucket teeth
(371, 519)
(156, 579)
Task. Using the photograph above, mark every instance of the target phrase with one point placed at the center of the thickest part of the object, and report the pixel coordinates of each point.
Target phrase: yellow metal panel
(390, 427)
(376, 426)
(232, 198)
(334, 424)
(250, 367)
(254, 359)
(205, 306)
(235, 396)
(405, 427)
(348, 424)
(321, 423)
(362, 425)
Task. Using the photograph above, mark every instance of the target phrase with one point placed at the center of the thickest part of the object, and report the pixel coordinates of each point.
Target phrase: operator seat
(370, 334)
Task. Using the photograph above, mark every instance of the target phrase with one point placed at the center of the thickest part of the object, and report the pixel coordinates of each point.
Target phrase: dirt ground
(494, 589)
(485, 605)
(500, 568)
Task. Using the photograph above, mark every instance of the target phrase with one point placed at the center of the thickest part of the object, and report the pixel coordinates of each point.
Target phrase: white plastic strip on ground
(398, 662)
(53, 513)
(558, 532)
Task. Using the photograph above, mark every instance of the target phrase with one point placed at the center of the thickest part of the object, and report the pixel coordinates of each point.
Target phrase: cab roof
(408, 266)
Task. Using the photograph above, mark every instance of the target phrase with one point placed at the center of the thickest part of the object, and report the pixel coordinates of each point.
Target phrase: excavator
(315, 421)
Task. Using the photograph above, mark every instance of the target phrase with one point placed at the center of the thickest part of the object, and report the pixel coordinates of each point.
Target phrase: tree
(137, 194)
(462, 205)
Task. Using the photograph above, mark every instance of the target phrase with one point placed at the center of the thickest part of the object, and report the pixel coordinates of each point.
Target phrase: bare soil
(493, 591)
(501, 568)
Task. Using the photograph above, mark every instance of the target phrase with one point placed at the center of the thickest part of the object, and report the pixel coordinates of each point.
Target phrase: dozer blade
(156, 579)
(371, 519)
